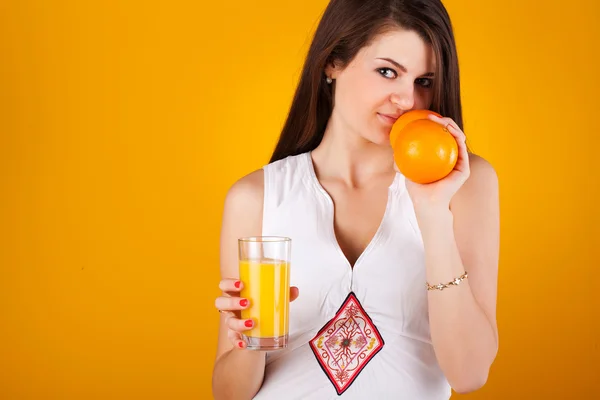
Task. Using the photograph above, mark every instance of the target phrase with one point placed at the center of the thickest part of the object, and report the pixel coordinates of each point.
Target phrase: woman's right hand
(231, 304)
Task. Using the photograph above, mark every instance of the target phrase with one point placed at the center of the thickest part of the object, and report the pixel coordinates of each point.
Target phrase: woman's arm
(238, 373)
(464, 238)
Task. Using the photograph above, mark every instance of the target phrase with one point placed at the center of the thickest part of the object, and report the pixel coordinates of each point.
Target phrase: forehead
(405, 47)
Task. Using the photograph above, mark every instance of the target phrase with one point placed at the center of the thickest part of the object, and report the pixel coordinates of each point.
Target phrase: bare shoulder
(481, 168)
(481, 186)
(242, 217)
(483, 178)
(247, 191)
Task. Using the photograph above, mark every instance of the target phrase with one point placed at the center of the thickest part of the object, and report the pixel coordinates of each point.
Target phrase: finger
(445, 121)
(437, 119)
(240, 325)
(236, 339)
(231, 285)
(463, 159)
(224, 303)
(442, 120)
(451, 127)
(457, 133)
(460, 137)
(294, 293)
(462, 163)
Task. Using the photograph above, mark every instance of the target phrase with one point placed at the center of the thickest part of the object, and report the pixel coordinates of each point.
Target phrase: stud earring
(329, 80)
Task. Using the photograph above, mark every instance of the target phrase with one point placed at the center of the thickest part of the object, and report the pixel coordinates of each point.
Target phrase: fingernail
(249, 323)
(241, 344)
(243, 302)
(237, 284)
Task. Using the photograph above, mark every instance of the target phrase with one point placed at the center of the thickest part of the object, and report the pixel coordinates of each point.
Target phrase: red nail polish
(237, 284)
(243, 302)
(241, 344)
(248, 323)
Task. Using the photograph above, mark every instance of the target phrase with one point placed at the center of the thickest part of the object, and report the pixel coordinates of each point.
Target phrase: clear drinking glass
(264, 263)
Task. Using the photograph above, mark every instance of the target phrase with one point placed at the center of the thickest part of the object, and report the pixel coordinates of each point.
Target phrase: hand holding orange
(424, 150)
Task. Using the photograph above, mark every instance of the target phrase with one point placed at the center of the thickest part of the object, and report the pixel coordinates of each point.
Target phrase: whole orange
(425, 151)
(407, 118)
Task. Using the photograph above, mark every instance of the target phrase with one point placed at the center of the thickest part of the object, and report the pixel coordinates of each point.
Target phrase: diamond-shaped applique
(346, 344)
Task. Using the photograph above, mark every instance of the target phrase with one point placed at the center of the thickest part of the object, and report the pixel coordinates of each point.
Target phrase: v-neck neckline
(331, 209)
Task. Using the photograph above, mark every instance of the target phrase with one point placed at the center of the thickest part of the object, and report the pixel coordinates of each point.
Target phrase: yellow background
(123, 123)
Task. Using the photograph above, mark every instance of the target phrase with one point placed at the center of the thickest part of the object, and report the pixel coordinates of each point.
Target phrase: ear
(332, 70)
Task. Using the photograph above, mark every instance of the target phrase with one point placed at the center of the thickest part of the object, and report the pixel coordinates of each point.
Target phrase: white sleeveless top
(388, 279)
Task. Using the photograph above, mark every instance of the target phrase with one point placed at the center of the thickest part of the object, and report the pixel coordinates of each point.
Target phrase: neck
(344, 155)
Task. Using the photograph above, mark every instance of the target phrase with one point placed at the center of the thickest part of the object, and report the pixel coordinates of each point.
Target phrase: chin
(377, 135)
(382, 139)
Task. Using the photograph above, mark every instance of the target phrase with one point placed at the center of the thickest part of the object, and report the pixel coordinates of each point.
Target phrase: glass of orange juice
(264, 263)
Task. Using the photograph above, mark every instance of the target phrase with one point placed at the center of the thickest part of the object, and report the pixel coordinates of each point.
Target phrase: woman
(420, 259)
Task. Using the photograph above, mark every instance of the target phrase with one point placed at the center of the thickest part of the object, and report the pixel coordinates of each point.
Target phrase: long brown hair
(347, 26)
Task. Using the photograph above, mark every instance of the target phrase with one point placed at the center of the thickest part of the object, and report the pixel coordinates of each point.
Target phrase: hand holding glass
(264, 266)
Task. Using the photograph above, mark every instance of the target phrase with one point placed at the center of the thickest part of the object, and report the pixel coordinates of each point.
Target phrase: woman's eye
(388, 73)
(425, 82)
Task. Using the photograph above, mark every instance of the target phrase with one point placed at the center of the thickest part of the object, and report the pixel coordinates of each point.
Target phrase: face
(391, 76)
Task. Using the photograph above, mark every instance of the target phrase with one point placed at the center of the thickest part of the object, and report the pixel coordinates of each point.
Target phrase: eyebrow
(402, 67)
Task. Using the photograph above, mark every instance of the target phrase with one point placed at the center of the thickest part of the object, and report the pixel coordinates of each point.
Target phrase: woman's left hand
(437, 195)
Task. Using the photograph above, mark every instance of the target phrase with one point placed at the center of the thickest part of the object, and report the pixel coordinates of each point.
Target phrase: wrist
(433, 213)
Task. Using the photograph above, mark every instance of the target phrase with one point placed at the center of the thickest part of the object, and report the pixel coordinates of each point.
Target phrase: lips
(389, 118)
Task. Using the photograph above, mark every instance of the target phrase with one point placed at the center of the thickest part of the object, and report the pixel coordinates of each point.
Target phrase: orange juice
(267, 288)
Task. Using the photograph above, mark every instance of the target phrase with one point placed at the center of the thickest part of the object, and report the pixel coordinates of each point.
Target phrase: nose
(404, 97)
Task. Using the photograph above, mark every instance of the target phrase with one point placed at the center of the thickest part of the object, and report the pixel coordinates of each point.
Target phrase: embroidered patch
(346, 344)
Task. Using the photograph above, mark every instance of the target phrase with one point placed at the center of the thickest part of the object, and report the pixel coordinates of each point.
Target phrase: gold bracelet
(442, 286)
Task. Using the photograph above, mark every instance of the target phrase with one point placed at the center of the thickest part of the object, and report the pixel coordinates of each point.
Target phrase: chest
(331, 229)
(357, 215)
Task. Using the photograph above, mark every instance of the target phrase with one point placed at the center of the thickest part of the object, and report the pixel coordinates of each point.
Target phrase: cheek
(357, 99)
(372, 96)
(423, 98)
